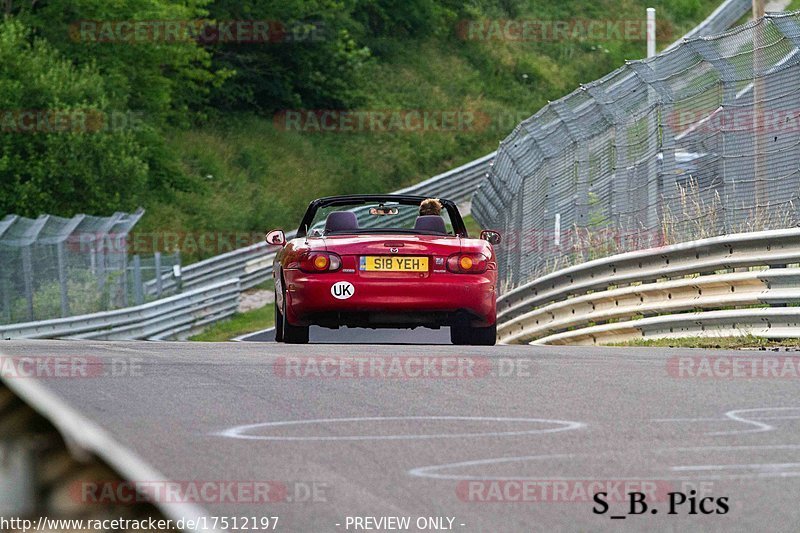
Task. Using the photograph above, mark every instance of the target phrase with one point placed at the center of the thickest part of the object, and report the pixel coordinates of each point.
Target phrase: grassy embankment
(246, 174)
(725, 343)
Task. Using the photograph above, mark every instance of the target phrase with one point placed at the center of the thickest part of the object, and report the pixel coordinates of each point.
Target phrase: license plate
(385, 263)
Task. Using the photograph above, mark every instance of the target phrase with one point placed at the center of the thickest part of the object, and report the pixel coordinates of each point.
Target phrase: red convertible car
(371, 261)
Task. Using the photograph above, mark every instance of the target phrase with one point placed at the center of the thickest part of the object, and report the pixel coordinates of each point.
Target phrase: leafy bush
(52, 171)
(83, 293)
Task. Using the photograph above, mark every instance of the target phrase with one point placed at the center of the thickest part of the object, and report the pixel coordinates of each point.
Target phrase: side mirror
(276, 237)
(492, 237)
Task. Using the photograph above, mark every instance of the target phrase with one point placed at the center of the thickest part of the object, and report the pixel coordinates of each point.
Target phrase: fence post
(6, 289)
(729, 136)
(122, 249)
(138, 290)
(159, 283)
(27, 274)
(62, 279)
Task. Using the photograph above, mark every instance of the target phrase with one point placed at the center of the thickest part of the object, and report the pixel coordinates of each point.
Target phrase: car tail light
(467, 263)
(319, 262)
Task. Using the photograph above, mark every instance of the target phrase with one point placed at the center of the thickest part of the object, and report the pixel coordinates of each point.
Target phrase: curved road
(335, 440)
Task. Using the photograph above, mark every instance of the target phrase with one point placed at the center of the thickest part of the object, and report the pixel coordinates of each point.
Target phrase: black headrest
(432, 223)
(341, 221)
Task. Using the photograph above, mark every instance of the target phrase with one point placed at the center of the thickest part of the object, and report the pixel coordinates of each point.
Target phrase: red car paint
(401, 293)
(350, 296)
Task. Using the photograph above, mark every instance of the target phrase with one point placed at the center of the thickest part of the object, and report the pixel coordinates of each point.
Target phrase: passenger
(431, 206)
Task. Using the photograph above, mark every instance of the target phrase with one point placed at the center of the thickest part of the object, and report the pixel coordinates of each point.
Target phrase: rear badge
(342, 290)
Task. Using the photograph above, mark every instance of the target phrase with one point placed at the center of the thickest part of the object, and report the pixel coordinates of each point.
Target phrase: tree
(57, 153)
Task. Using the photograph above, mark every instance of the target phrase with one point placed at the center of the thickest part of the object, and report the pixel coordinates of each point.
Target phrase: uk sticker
(342, 290)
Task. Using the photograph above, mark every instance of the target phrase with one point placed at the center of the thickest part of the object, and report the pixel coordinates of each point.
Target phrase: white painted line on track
(762, 470)
(752, 466)
(241, 338)
(768, 470)
(240, 432)
(760, 427)
(430, 471)
(736, 415)
(734, 448)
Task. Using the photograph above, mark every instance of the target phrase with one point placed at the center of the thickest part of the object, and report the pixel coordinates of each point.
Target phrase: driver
(430, 206)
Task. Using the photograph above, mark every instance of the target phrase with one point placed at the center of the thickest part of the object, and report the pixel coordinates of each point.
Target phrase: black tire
(278, 324)
(459, 334)
(293, 334)
(465, 335)
(483, 336)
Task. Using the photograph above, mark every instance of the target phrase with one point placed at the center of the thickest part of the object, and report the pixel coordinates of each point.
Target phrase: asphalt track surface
(414, 447)
(344, 335)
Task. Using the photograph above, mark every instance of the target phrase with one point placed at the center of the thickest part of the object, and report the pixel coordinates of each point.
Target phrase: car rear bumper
(435, 300)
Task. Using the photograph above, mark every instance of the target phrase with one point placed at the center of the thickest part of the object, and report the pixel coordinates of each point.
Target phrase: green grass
(794, 6)
(723, 343)
(239, 324)
(246, 174)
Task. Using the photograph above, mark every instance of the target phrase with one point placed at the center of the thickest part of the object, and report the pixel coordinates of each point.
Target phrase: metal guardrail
(725, 16)
(243, 263)
(651, 293)
(167, 318)
(773, 323)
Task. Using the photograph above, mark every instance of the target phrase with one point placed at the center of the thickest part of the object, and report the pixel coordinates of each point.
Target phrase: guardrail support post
(177, 275)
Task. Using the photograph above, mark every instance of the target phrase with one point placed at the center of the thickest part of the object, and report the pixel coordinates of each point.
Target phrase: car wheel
(293, 334)
(483, 336)
(278, 324)
(462, 333)
(459, 334)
